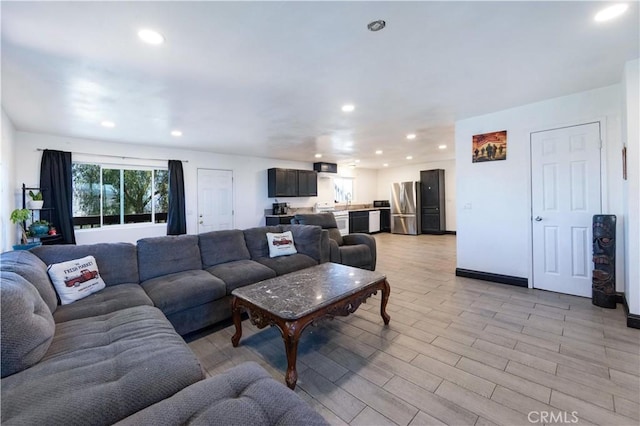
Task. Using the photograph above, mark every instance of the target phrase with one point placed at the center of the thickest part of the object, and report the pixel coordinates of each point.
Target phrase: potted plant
(39, 228)
(36, 201)
(18, 216)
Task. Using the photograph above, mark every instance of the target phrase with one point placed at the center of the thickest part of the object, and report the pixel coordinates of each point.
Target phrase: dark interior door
(432, 209)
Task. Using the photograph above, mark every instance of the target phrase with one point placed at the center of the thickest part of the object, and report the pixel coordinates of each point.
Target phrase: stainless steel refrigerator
(405, 205)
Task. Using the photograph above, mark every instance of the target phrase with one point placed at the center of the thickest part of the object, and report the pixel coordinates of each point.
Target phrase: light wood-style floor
(457, 351)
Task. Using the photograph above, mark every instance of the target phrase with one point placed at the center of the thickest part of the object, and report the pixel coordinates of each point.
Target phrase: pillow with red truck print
(75, 279)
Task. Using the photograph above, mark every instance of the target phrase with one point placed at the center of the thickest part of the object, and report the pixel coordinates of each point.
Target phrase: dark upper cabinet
(283, 182)
(307, 183)
(292, 183)
(433, 201)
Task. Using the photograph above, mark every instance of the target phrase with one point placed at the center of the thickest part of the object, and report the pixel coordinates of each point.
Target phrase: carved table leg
(291, 335)
(383, 304)
(237, 321)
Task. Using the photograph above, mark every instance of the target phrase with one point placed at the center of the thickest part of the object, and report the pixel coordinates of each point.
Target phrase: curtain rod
(123, 157)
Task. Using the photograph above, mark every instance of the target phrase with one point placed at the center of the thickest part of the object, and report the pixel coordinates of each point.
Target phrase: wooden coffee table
(293, 301)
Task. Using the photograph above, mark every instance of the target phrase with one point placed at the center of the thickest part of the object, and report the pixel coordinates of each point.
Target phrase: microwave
(381, 203)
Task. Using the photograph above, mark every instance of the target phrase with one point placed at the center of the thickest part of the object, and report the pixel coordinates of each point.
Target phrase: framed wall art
(489, 147)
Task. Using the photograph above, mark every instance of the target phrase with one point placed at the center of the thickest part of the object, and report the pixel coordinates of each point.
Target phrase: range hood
(325, 167)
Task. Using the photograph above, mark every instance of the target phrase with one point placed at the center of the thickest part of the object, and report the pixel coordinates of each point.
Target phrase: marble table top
(294, 295)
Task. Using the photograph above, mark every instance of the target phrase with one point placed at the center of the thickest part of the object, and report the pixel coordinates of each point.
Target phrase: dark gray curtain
(176, 218)
(57, 192)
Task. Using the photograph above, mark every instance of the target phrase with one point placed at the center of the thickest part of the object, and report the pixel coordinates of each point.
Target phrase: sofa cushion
(356, 255)
(256, 239)
(308, 239)
(240, 273)
(243, 395)
(34, 270)
(117, 262)
(27, 326)
(285, 264)
(222, 246)
(160, 256)
(281, 244)
(102, 369)
(324, 220)
(335, 235)
(75, 279)
(109, 300)
(175, 292)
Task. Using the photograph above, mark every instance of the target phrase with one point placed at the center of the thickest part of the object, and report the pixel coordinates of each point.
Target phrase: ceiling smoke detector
(376, 25)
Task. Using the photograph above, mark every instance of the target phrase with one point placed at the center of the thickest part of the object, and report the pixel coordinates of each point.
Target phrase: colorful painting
(490, 147)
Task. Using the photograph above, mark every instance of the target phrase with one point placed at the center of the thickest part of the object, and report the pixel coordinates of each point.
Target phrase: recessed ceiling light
(376, 25)
(611, 12)
(442, 147)
(348, 108)
(385, 165)
(379, 152)
(151, 36)
(411, 136)
(108, 124)
(409, 157)
(357, 161)
(318, 155)
(176, 133)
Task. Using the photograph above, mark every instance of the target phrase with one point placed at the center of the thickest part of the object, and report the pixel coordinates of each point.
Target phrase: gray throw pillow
(27, 326)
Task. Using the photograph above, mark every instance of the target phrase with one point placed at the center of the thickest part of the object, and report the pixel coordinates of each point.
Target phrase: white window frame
(122, 168)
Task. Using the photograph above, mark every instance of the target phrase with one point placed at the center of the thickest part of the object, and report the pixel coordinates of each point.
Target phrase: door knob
(538, 219)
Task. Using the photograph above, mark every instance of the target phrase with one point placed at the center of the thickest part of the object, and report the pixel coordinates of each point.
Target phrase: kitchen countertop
(338, 209)
(368, 209)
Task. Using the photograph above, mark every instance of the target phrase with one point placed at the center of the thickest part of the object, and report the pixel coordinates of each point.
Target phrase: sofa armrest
(353, 239)
(325, 248)
(334, 252)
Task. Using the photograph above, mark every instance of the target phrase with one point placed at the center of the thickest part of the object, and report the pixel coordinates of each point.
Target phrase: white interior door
(215, 200)
(565, 189)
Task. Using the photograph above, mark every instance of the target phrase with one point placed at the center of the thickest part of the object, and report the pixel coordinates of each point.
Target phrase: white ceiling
(269, 78)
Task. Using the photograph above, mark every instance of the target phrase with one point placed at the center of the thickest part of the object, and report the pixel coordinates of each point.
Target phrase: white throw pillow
(281, 244)
(75, 279)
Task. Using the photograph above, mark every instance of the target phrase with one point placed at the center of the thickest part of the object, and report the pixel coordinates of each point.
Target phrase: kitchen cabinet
(433, 201)
(292, 183)
(359, 222)
(282, 182)
(307, 183)
(374, 221)
(278, 220)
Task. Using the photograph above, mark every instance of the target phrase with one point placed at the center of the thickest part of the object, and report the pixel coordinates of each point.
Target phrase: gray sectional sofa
(116, 355)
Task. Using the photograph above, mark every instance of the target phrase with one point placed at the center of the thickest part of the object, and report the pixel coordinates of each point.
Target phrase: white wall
(493, 199)
(8, 231)
(365, 185)
(631, 187)
(249, 173)
(387, 176)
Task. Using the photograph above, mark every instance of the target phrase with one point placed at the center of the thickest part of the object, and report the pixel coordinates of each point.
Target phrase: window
(106, 195)
(343, 188)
